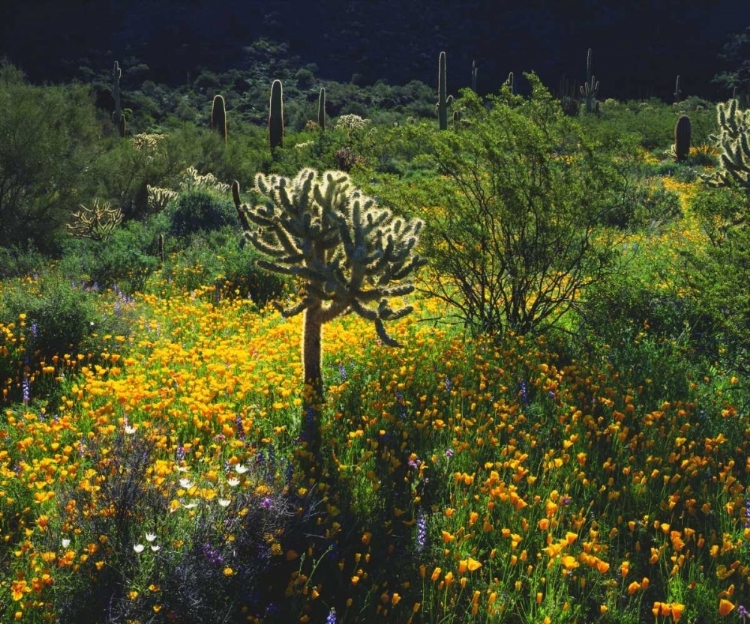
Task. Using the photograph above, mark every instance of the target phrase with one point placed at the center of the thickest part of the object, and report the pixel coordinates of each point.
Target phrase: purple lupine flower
(448, 384)
(34, 330)
(26, 390)
(449, 453)
(421, 530)
(523, 392)
(331, 619)
(342, 372)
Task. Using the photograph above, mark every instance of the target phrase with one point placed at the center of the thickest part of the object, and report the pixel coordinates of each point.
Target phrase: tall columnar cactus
(509, 82)
(733, 141)
(677, 92)
(443, 102)
(591, 88)
(117, 117)
(683, 131)
(322, 109)
(276, 116)
(474, 76)
(219, 117)
(352, 256)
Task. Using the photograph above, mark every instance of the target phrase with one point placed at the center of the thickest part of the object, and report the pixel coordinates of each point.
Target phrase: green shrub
(219, 257)
(200, 211)
(125, 259)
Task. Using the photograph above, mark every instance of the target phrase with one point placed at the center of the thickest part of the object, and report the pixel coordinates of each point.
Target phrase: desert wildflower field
(392, 373)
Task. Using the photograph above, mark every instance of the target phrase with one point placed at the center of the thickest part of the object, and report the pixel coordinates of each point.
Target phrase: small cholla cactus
(147, 142)
(192, 180)
(159, 198)
(352, 256)
(351, 123)
(96, 223)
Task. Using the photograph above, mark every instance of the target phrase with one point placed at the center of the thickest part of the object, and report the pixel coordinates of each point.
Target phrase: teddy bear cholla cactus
(97, 222)
(352, 255)
(733, 141)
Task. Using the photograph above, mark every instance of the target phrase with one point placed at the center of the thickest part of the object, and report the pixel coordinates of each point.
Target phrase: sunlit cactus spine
(474, 76)
(351, 255)
(683, 131)
(276, 116)
(591, 88)
(443, 102)
(677, 91)
(117, 117)
(219, 117)
(322, 109)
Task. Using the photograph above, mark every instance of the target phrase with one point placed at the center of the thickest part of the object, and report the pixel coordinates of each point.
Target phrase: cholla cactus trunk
(276, 116)
(443, 102)
(348, 251)
(683, 130)
(322, 109)
(219, 117)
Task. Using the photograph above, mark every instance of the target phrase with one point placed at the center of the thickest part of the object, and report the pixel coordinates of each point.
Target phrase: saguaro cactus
(219, 117)
(591, 88)
(677, 92)
(352, 255)
(509, 82)
(276, 116)
(322, 109)
(117, 116)
(443, 103)
(683, 130)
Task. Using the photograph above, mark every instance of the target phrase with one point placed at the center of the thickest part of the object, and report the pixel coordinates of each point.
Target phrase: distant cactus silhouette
(591, 88)
(474, 76)
(322, 109)
(117, 117)
(677, 92)
(276, 116)
(443, 102)
(683, 130)
(219, 117)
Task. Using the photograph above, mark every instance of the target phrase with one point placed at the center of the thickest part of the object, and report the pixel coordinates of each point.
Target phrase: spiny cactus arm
(293, 310)
(383, 335)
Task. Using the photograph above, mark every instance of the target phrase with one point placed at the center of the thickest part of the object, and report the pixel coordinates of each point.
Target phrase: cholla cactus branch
(96, 223)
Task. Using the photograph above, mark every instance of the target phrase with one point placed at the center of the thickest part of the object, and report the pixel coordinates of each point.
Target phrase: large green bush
(47, 138)
(512, 212)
